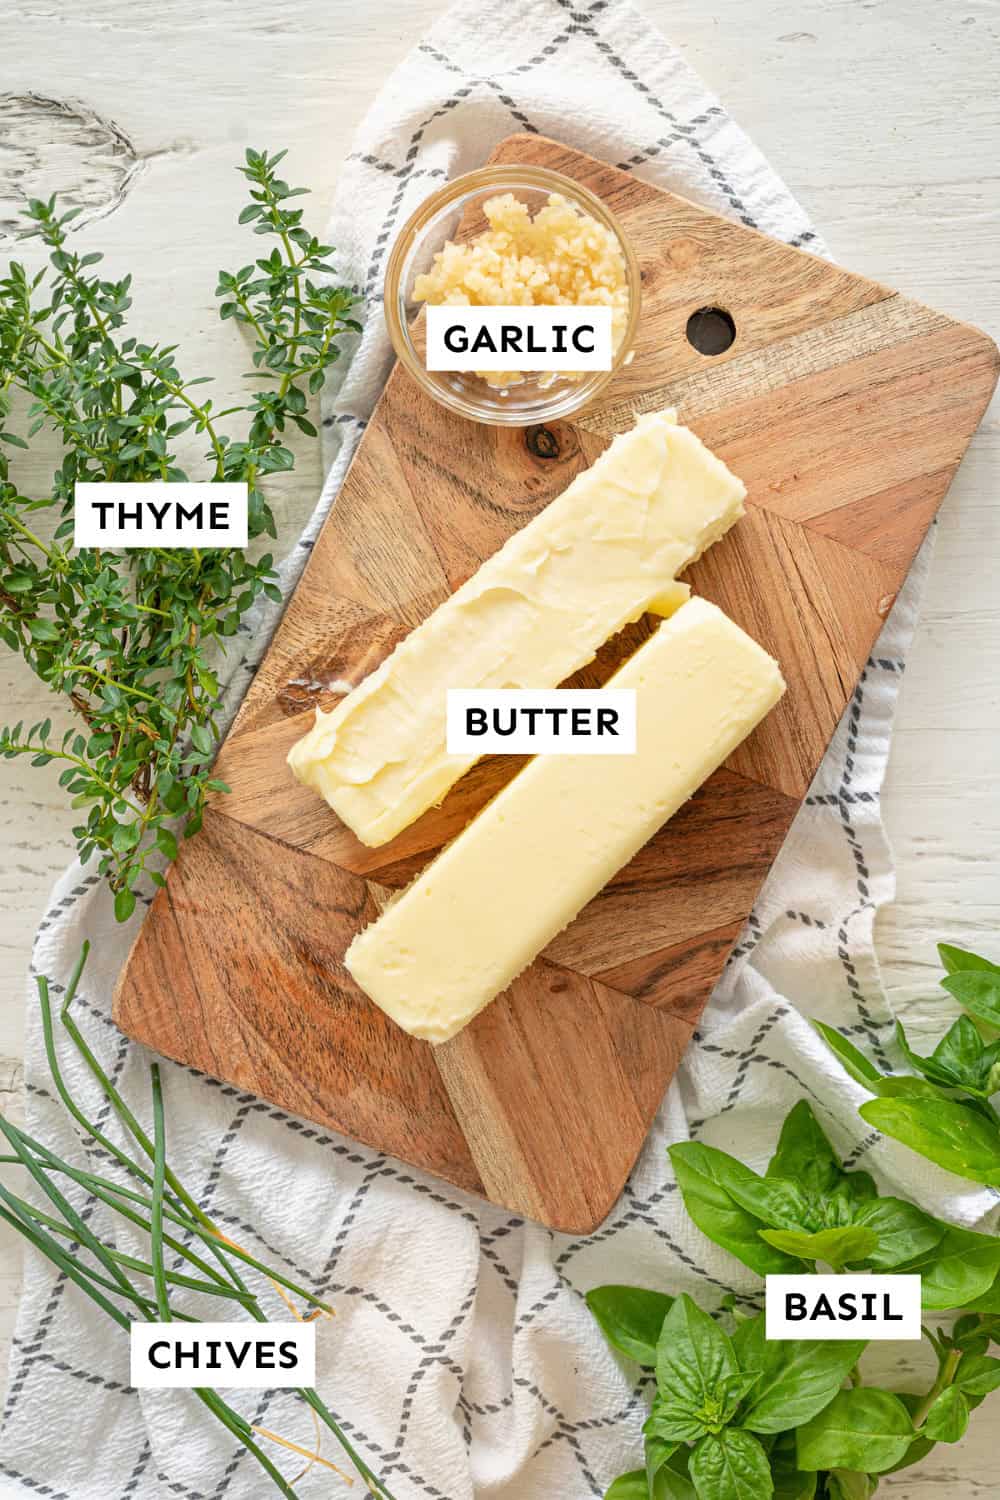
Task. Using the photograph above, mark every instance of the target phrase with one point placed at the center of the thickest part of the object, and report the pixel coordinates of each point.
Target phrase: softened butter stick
(601, 554)
(544, 847)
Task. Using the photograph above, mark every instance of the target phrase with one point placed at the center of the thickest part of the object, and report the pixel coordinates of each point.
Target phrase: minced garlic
(560, 257)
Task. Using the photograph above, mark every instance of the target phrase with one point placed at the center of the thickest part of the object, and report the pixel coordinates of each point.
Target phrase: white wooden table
(881, 117)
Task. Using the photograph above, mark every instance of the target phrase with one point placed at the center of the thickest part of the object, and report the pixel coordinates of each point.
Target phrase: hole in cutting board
(710, 330)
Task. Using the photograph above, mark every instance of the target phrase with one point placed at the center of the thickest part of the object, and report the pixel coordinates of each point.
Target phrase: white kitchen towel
(463, 1359)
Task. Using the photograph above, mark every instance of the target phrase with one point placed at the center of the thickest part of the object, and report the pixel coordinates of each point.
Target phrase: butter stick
(600, 555)
(546, 844)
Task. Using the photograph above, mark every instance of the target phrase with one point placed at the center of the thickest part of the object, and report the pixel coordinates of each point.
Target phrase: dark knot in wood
(64, 147)
(542, 442)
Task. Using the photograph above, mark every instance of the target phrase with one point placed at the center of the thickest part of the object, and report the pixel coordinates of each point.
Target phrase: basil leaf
(631, 1486)
(978, 1374)
(957, 1271)
(861, 1428)
(903, 1086)
(717, 1215)
(977, 991)
(903, 1231)
(731, 1466)
(971, 1334)
(932, 1068)
(697, 1371)
(986, 1302)
(749, 1344)
(842, 1203)
(948, 1418)
(851, 1060)
(836, 1247)
(848, 1484)
(630, 1319)
(672, 1421)
(804, 1154)
(790, 1483)
(657, 1453)
(944, 1130)
(955, 959)
(960, 1052)
(961, 1060)
(921, 1446)
(797, 1379)
(776, 1202)
(671, 1483)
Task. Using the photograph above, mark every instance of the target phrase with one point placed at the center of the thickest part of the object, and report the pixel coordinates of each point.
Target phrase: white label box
(858, 1306)
(159, 514)
(543, 338)
(541, 721)
(236, 1355)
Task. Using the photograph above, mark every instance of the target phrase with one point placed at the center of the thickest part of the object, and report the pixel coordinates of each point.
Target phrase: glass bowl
(438, 219)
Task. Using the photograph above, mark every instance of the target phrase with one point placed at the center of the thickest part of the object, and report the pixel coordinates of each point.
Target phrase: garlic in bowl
(511, 237)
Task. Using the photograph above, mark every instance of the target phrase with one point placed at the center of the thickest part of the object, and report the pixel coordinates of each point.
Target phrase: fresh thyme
(132, 639)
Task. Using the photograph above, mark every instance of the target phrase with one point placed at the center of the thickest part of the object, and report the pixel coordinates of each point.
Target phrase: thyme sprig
(133, 639)
(156, 1199)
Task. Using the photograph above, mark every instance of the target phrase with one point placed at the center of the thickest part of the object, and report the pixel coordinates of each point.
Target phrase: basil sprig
(736, 1416)
(722, 1400)
(807, 1211)
(943, 1110)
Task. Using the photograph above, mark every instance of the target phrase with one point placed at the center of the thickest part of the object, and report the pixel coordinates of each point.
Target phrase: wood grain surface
(846, 409)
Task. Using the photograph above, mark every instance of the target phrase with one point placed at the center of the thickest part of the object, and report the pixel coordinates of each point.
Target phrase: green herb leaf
(948, 1418)
(697, 1372)
(954, 960)
(700, 1171)
(201, 739)
(946, 1131)
(978, 1374)
(835, 1247)
(630, 1486)
(672, 1421)
(124, 904)
(798, 1379)
(657, 1453)
(166, 842)
(958, 1270)
(903, 1231)
(790, 1483)
(775, 1201)
(961, 1060)
(731, 1465)
(861, 1429)
(845, 1484)
(977, 991)
(851, 1060)
(668, 1485)
(804, 1154)
(630, 1319)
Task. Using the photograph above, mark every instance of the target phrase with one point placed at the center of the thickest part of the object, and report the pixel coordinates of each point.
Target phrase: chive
(241, 1430)
(103, 1190)
(123, 1112)
(132, 1262)
(319, 1407)
(156, 1216)
(83, 1232)
(70, 1268)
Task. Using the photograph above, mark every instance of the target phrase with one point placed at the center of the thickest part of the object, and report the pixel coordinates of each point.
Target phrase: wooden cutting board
(846, 408)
